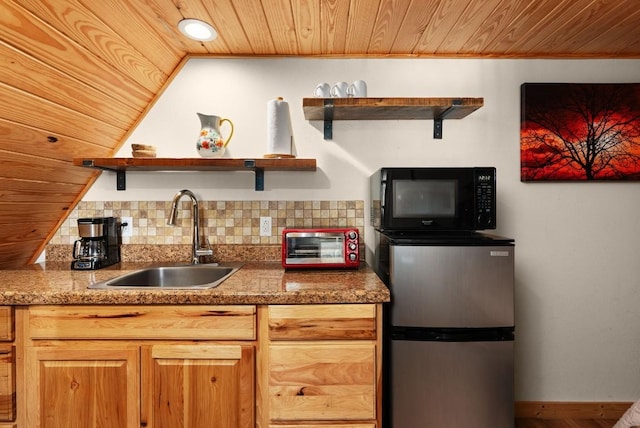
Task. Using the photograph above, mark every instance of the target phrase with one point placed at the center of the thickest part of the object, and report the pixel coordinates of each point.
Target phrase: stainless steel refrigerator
(449, 330)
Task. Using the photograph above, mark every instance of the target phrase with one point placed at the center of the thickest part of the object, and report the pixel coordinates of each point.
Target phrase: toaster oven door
(314, 248)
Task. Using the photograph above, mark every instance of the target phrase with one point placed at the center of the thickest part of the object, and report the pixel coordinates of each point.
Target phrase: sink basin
(172, 277)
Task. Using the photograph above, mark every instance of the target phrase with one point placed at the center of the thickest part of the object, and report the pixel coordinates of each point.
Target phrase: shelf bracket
(328, 119)
(437, 121)
(259, 174)
(121, 180)
(121, 175)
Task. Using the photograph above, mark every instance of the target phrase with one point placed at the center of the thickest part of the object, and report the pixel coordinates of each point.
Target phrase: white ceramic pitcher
(211, 143)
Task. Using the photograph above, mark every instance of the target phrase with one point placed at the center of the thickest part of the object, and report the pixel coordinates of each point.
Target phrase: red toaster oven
(320, 248)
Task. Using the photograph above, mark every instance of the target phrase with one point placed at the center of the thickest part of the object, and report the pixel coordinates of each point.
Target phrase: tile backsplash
(222, 222)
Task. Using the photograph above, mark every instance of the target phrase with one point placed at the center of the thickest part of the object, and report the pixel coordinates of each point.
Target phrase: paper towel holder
(280, 144)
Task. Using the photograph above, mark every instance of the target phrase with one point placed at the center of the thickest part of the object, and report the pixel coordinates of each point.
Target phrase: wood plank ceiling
(77, 75)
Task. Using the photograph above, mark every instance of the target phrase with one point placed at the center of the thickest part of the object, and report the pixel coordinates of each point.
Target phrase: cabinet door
(322, 381)
(198, 386)
(78, 386)
(7, 383)
(7, 316)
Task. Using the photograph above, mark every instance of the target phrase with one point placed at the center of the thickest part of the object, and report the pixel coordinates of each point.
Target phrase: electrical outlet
(265, 226)
(128, 229)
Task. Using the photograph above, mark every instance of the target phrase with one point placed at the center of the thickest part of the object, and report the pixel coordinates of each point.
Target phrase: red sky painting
(575, 131)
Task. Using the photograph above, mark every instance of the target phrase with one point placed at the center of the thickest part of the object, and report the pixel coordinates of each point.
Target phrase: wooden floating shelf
(437, 109)
(257, 165)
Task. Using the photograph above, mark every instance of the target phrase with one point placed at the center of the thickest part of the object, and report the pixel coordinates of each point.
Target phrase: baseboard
(570, 409)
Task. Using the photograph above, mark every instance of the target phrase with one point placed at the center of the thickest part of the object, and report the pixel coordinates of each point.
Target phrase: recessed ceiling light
(197, 30)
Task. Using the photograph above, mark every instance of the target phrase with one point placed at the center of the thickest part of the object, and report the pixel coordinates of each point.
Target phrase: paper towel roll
(279, 134)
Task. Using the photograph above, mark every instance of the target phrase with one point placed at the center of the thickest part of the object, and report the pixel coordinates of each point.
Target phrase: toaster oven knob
(352, 246)
(352, 234)
(353, 257)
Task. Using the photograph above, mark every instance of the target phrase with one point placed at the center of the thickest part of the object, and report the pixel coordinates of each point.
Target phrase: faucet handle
(205, 251)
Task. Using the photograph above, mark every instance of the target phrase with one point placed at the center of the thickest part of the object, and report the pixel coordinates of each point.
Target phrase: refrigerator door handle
(482, 334)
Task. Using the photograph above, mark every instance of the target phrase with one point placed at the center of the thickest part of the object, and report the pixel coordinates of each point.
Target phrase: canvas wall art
(577, 131)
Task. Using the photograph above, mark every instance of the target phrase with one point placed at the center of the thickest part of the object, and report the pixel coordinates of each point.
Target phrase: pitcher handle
(230, 134)
(75, 249)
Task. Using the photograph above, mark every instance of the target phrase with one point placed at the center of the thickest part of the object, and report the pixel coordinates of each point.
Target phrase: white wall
(577, 267)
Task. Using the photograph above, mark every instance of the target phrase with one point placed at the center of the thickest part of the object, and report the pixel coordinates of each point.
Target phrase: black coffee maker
(99, 243)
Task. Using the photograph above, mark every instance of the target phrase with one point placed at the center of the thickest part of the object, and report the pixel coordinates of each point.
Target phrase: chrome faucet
(196, 250)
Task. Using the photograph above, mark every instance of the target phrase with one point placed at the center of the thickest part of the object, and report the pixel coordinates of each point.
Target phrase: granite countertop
(54, 283)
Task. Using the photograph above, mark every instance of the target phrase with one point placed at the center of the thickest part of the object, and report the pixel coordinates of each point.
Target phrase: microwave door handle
(383, 198)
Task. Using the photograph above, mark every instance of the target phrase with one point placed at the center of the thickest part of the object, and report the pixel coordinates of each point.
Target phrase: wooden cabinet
(323, 366)
(133, 366)
(167, 366)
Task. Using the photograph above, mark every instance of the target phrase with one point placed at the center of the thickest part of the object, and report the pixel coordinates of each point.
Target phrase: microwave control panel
(485, 184)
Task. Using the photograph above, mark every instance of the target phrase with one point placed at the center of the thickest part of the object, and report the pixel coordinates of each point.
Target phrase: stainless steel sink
(172, 277)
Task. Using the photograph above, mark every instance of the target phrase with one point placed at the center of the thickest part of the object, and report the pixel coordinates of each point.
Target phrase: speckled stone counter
(254, 284)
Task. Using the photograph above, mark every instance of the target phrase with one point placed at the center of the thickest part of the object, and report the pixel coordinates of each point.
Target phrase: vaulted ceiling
(76, 75)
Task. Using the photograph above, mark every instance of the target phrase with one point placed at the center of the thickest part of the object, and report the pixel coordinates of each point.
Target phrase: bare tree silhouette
(586, 131)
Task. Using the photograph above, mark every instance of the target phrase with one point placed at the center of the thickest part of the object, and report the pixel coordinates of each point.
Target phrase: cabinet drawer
(322, 381)
(320, 322)
(7, 383)
(6, 323)
(143, 322)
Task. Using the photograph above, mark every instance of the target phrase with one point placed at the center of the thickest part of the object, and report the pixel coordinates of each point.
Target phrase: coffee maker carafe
(99, 243)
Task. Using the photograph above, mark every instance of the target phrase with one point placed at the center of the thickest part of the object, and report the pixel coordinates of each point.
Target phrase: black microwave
(433, 199)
